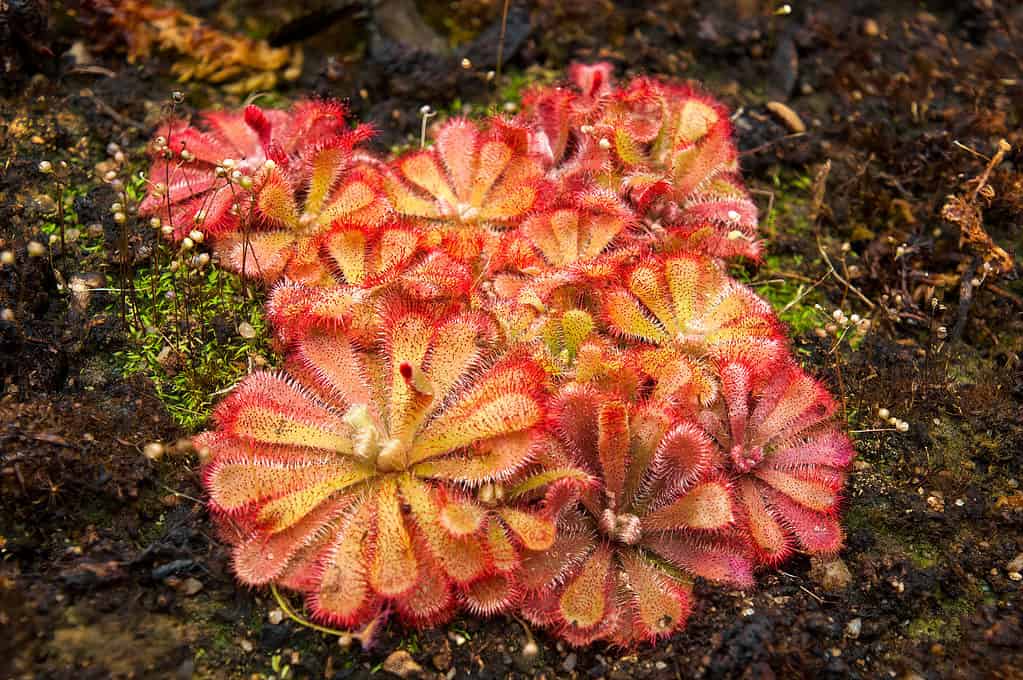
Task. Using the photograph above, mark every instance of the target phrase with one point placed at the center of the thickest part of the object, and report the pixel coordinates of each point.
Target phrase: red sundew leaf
(692, 280)
(458, 143)
(627, 148)
(586, 604)
(509, 201)
(684, 455)
(817, 532)
(689, 300)
(348, 248)
(827, 447)
(493, 158)
(494, 460)
(692, 116)
(550, 109)
(289, 508)
(462, 559)
(256, 124)
(533, 531)
(658, 603)
(261, 255)
(708, 557)
(325, 167)
(242, 476)
(295, 309)
(354, 201)
(505, 400)
(556, 235)
(724, 202)
(305, 264)
(458, 348)
(303, 570)
(613, 450)
(642, 110)
(500, 549)
(629, 319)
(643, 188)
(423, 170)
(343, 595)
(647, 282)
(791, 402)
(436, 276)
(339, 368)
(394, 568)
(408, 338)
(406, 201)
(269, 409)
(736, 381)
(432, 599)
(572, 415)
(763, 522)
(541, 610)
(680, 379)
(263, 558)
(567, 236)
(706, 237)
(314, 120)
(208, 149)
(275, 201)
(593, 80)
(395, 248)
(705, 506)
(692, 166)
(194, 199)
(460, 516)
(608, 369)
(490, 595)
(543, 571)
(820, 495)
(178, 183)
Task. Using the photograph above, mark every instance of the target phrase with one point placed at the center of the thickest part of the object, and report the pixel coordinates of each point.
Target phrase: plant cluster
(518, 376)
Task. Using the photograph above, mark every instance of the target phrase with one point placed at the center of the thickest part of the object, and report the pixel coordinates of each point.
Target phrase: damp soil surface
(857, 121)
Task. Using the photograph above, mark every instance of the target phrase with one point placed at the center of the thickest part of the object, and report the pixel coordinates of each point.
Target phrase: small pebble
(191, 586)
(246, 330)
(401, 663)
(568, 665)
(832, 575)
(787, 116)
(153, 450)
(853, 628)
(46, 204)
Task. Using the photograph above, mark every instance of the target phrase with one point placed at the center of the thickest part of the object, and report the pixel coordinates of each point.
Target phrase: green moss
(792, 299)
(787, 279)
(942, 626)
(177, 322)
(933, 628)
